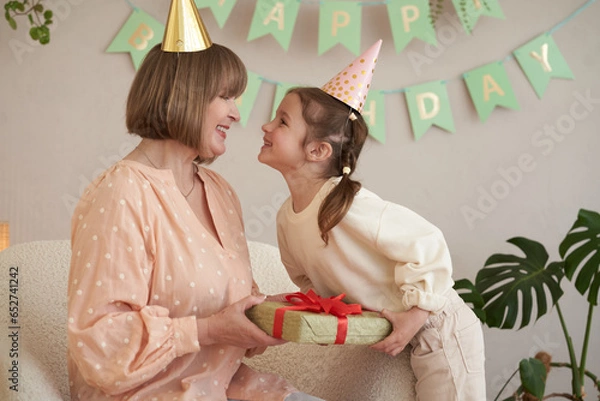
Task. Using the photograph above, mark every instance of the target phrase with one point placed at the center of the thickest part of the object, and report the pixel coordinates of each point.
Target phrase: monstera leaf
(467, 291)
(504, 277)
(581, 247)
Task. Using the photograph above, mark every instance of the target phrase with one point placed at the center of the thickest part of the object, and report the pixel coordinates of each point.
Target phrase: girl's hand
(231, 326)
(405, 326)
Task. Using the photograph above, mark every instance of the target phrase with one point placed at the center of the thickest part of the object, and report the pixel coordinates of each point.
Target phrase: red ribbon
(311, 302)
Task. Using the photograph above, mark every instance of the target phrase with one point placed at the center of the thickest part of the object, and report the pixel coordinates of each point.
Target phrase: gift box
(309, 318)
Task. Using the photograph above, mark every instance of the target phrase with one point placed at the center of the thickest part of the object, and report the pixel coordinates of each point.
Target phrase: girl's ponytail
(332, 121)
(337, 203)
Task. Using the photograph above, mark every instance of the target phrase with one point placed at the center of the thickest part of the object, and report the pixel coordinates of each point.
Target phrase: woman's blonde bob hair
(171, 92)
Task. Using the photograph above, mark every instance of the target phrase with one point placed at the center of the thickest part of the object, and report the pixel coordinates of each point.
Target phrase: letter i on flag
(221, 9)
(489, 87)
(428, 104)
(276, 17)
(339, 22)
(410, 19)
(541, 60)
(137, 36)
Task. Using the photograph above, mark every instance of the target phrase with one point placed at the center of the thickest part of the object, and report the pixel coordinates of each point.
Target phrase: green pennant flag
(374, 114)
(489, 87)
(410, 19)
(541, 60)
(339, 22)
(137, 36)
(280, 92)
(469, 11)
(248, 98)
(276, 17)
(220, 9)
(428, 104)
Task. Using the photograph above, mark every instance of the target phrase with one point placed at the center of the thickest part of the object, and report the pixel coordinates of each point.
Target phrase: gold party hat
(352, 84)
(185, 32)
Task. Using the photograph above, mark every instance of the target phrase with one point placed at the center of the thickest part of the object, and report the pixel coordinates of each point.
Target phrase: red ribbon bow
(311, 302)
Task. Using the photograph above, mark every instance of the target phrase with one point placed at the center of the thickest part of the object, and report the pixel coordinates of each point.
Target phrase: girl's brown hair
(328, 119)
(171, 91)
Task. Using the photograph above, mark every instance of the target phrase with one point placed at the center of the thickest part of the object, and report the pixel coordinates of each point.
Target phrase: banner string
(384, 2)
(131, 5)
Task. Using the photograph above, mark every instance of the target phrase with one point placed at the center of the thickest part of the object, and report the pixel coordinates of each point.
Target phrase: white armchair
(35, 274)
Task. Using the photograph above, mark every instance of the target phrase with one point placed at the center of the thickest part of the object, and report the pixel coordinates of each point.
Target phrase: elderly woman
(160, 274)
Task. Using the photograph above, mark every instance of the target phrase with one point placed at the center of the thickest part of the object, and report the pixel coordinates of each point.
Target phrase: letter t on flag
(137, 36)
(541, 60)
(428, 104)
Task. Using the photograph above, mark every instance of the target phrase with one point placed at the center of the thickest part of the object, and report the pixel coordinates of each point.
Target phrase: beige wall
(61, 123)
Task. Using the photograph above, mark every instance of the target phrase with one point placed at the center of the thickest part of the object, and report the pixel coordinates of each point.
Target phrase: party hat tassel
(185, 31)
(352, 84)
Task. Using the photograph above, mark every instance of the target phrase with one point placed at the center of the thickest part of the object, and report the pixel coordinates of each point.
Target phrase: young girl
(336, 237)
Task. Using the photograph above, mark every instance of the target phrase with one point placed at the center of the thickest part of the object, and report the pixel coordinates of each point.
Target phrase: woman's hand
(231, 326)
(405, 326)
(278, 297)
(250, 352)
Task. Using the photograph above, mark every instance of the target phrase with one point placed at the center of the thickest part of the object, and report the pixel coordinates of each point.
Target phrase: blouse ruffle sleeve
(116, 338)
(423, 269)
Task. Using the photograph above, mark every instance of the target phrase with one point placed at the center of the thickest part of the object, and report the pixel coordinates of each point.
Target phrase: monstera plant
(508, 286)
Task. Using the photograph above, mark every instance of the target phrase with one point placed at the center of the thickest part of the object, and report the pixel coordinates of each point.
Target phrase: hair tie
(352, 116)
(346, 170)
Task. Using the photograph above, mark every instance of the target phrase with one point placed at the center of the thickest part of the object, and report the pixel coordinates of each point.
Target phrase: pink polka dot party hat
(352, 84)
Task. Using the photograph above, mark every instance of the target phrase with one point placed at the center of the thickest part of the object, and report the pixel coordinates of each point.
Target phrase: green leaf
(19, 6)
(34, 32)
(48, 14)
(470, 295)
(12, 23)
(533, 377)
(44, 35)
(581, 251)
(30, 18)
(507, 280)
(38, 7)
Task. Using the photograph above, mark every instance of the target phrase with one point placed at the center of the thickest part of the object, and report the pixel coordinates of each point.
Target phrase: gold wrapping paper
(320, 328)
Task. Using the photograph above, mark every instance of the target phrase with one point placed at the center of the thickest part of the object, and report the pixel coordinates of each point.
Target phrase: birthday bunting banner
(140, 33)
(410, 19)
(489, 87)
(428, 103)
(275, 17)
(339, 23)
(541, 60)
(221, 9)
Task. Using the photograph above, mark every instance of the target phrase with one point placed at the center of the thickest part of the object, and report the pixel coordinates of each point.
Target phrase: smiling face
(221, 113)
(285, 137)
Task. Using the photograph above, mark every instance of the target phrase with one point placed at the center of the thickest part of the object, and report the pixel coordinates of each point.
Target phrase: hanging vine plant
(39, 18)
(436, 7)
(467, 11)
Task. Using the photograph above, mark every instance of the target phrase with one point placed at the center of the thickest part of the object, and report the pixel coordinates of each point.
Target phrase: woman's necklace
(193, 176)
